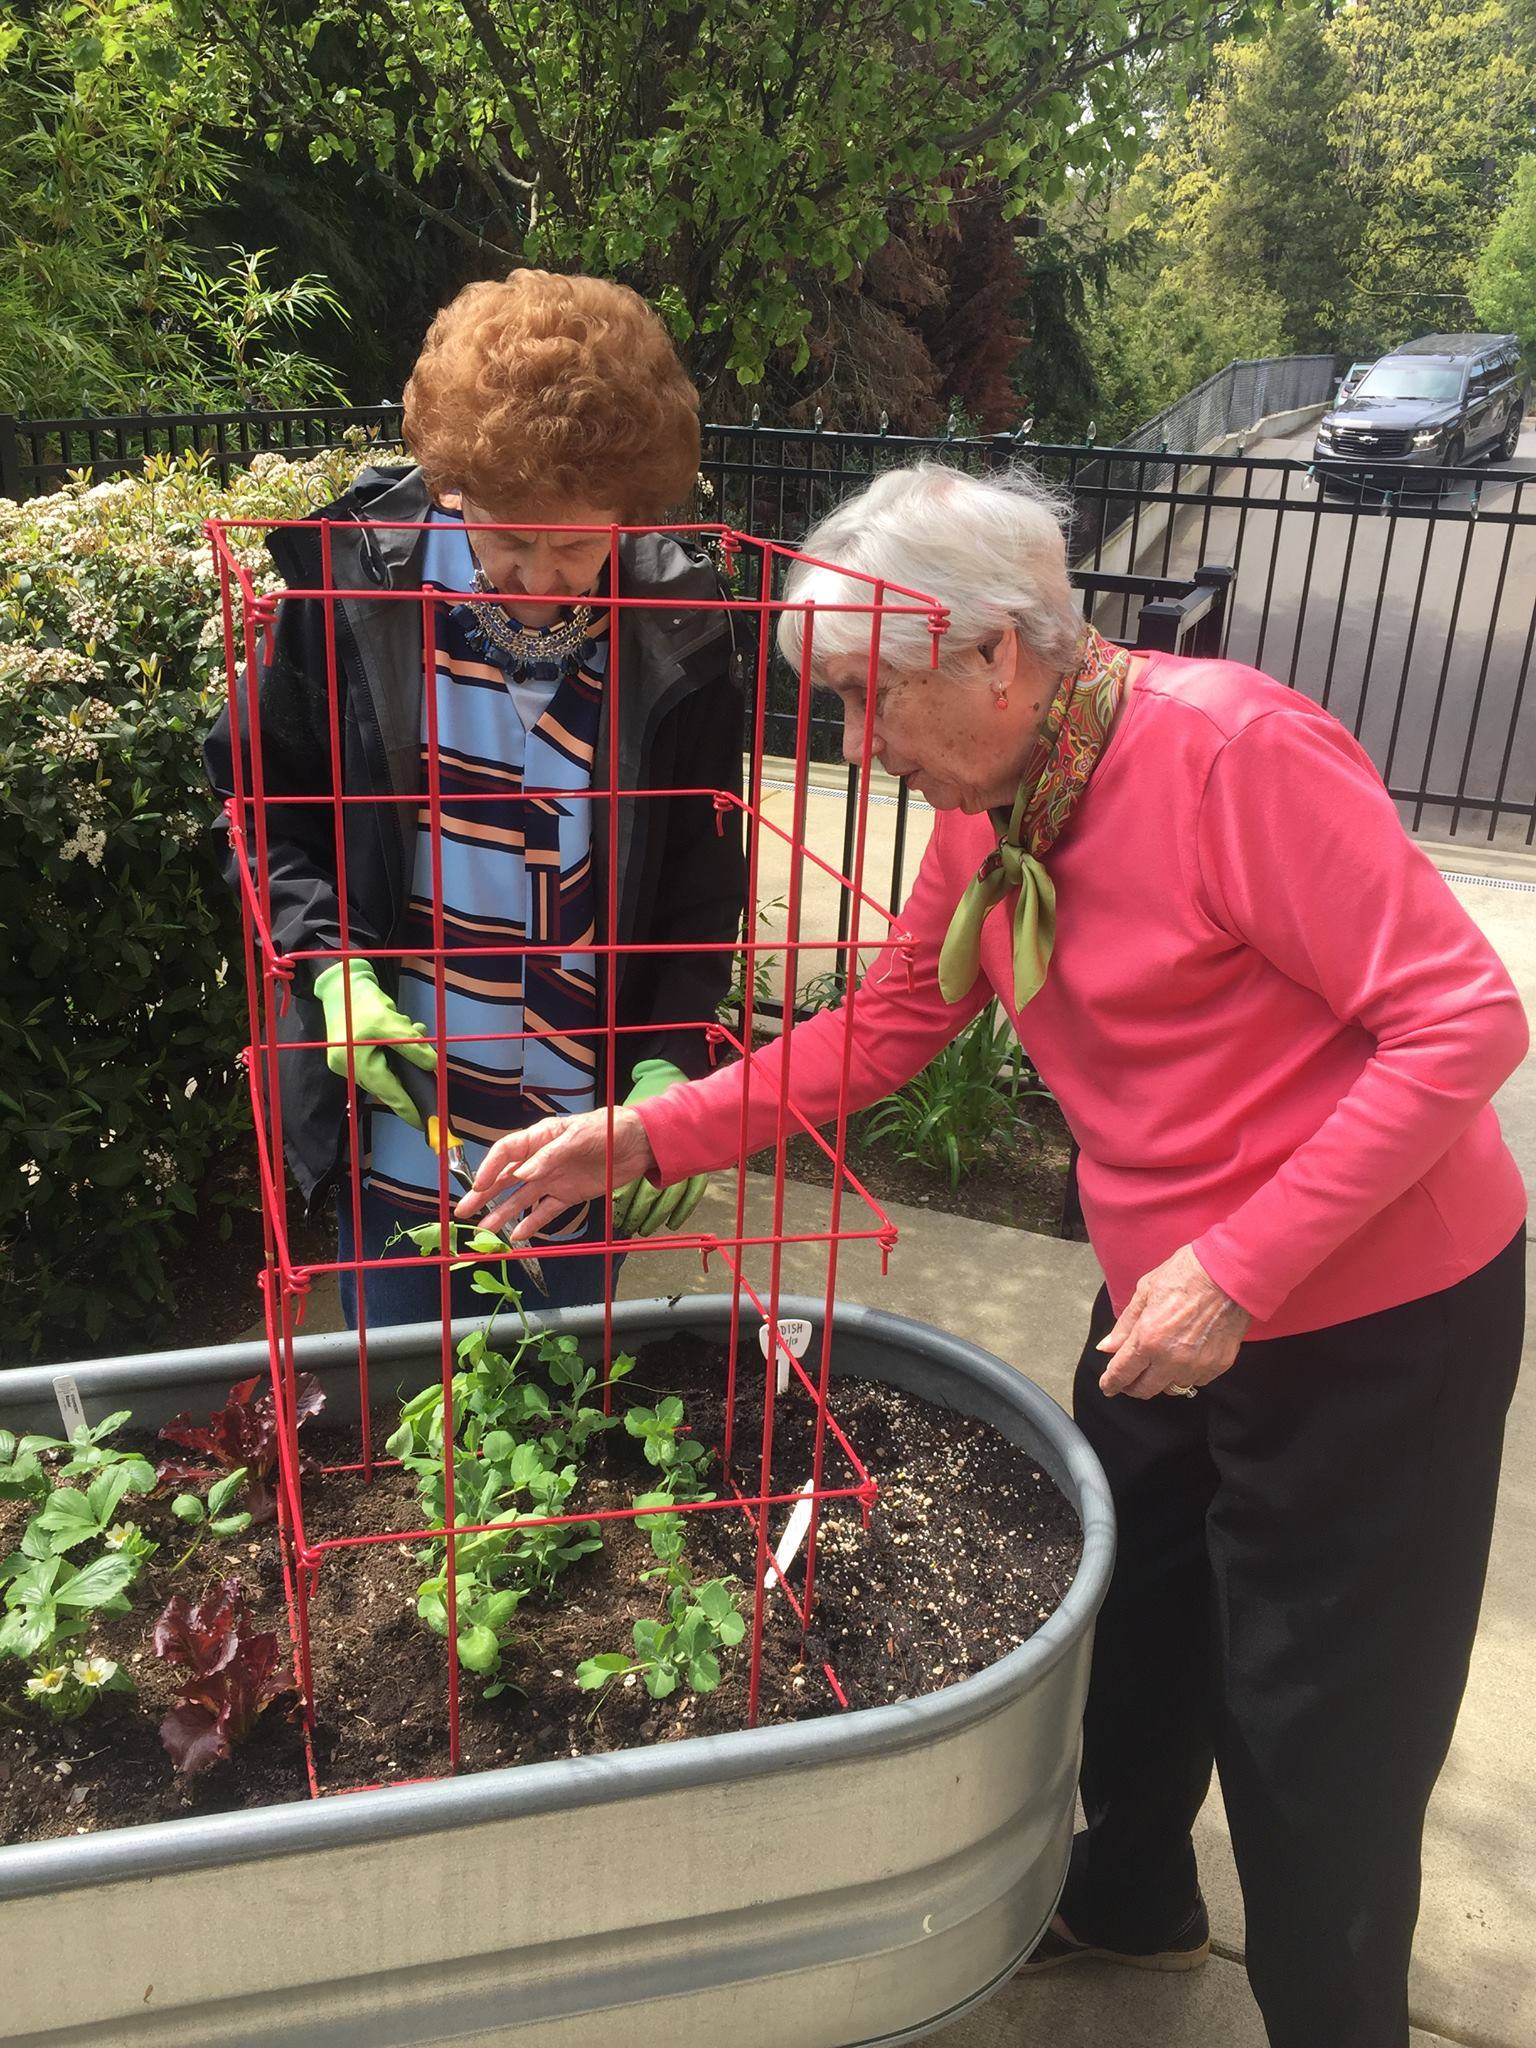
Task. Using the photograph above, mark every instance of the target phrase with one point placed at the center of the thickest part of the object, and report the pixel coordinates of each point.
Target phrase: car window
(1481, 384)
(1434, 382)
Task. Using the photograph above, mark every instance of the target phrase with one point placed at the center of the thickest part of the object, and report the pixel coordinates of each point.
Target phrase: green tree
(722, 155)
(1276, 219)
(1165, 316)
(1503, 288)
(1438, 108)
(108, 155)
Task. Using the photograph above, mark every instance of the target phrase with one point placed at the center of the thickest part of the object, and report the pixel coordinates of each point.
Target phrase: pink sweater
(1271, 1026)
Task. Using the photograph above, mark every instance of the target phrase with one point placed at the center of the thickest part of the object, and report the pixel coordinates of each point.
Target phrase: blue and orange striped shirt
(515, 871)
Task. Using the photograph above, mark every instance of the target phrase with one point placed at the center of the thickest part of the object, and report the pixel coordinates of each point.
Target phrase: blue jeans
(413, 1294)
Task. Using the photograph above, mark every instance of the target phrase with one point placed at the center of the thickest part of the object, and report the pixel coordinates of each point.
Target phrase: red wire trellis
(253, 812)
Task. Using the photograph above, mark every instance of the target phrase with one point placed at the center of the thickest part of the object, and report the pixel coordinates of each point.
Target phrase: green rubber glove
(374, 1015)
(640, 1209)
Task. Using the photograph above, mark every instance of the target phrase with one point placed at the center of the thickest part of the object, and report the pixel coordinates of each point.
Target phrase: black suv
(1430, 404)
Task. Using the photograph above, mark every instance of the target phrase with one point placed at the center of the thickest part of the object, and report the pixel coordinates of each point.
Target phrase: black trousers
(1302, 1550)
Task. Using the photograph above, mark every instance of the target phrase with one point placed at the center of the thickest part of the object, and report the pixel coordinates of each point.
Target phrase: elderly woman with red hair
(1275, 1033)
(547, 405)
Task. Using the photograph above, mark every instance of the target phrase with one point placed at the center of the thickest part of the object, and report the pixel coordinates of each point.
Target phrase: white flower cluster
(89, 619)
(84, 844)
(47, 667)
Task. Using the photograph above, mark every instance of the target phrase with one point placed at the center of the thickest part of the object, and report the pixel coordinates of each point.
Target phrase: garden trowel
(422, 1089)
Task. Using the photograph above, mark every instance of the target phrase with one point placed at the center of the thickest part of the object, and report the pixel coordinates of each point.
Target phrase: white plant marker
(793, 1537)
(796, 1332)
(71, 1411)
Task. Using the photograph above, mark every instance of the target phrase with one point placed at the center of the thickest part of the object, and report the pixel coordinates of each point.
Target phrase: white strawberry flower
(94, 1672)
(119, 1534)
(47, 1682)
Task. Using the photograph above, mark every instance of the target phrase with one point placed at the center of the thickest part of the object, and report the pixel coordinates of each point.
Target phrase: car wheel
(1511, 440)
(1455, 457)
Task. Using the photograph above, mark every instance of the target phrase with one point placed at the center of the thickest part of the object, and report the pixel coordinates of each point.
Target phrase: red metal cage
(752, 578)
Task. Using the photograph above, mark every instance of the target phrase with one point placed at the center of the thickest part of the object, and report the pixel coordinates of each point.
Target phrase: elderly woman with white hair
(1275, 1035)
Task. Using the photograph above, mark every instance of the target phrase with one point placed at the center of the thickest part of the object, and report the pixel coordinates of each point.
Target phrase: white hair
(991, 550)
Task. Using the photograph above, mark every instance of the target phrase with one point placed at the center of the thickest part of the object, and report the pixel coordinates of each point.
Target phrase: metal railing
(1410, 613)
(42, 454)
(796, 465)
(1237, 398)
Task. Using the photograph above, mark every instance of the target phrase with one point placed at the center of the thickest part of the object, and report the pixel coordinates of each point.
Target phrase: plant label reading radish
(67, 1394)
(796, 1332)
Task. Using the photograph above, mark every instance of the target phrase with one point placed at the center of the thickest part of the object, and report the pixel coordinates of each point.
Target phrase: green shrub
(121, 970)
(964, 1104)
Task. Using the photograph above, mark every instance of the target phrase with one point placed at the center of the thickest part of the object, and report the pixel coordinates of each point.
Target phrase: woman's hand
(535, 1174)
(1178, 1330)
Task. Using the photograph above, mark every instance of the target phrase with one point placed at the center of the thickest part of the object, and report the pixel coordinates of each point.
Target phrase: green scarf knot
(1009, 866)
(1075, 734)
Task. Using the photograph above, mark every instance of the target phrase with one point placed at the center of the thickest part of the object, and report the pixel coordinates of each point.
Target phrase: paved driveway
(1413, 624)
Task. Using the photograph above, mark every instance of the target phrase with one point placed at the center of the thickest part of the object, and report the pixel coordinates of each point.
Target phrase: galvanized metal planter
(853, 1880)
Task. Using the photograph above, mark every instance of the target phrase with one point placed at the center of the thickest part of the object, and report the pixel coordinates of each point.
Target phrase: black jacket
(680, 878)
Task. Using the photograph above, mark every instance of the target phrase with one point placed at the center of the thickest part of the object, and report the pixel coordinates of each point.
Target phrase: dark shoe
(1187, 1950)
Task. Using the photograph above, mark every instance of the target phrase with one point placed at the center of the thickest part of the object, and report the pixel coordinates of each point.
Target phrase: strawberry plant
(71, 1516)
(28, 1468)
(69, 1690)
(240, 1436)
(128, 1540)
(49, 1601)
(231, 1675)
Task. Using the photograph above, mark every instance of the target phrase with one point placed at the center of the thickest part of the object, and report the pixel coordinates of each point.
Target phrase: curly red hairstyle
(542, 389)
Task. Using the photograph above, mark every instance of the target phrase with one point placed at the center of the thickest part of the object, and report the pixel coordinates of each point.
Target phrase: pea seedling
(213, 1518)
(681, 1649)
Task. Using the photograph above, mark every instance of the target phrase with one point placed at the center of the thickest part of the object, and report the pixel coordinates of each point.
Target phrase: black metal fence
(1409, 612)
(41, 455)
(1405, 606)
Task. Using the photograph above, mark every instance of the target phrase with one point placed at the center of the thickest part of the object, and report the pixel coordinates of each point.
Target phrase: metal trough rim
(157, 1847)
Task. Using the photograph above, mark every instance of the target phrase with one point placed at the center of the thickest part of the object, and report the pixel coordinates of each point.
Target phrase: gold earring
(1000, 698)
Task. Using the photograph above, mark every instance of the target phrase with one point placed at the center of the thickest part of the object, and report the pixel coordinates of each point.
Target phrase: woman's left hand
(1177, 1330)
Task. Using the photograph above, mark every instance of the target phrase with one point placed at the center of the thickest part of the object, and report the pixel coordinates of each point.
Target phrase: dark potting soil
(1018, 1181)
(969, 1548)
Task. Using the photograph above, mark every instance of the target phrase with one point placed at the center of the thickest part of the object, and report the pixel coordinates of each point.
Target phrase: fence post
(1210, 632)
(10, 457)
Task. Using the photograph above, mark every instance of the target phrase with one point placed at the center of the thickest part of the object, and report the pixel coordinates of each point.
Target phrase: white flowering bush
(121, 997)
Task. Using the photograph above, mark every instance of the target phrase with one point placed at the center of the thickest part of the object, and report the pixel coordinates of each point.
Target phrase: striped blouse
(515, 871)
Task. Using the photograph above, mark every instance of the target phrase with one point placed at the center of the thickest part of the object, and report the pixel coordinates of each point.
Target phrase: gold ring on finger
(1188, 1393)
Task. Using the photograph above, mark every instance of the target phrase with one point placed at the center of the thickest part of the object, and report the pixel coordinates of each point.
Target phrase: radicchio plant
(231, 1675)
(242, 1432)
